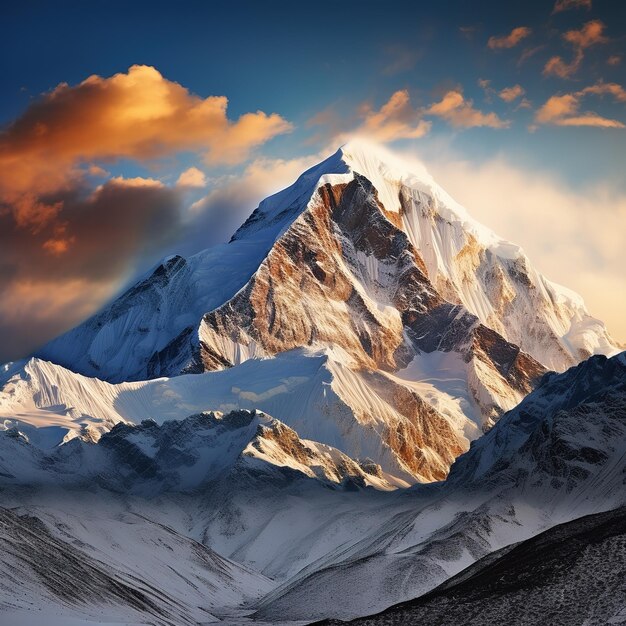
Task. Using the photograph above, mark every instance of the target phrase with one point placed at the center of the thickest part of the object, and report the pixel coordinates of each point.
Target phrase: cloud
(601, 89)
(468, 31)
(50, 280)
(565, 5)
(564, 110)
(510, 40)
(192, 177)
(614, 59)
(396, 119)
(529, 207)
(138, 115)
(508, 94)
(399, 119)
(62, 222)
(400, 59)
(589, 35)
(34, 311)
(459, 112)
(485, 85)
(528, 53)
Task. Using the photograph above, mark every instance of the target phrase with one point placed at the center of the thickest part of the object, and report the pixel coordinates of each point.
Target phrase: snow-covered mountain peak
(366, 259)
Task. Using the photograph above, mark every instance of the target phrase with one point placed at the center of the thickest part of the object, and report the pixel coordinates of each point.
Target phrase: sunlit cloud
(564, 110)
(565, 5)
(139, 115)
(528, 53)
(592, 33)
(192, 177)
(460, 112)
(509, 94)
(614, 59)
(396, 119)
(511, 40)
(51, 279)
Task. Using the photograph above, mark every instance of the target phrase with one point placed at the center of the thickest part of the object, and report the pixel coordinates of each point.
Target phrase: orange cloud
(589, 35)
(459, 112)
(508, 94)
(565, 5)
(100, 237)
(192, 177)
(396, 119)
(614, 59)
(564, 110)
(510, 40)
(140, 115)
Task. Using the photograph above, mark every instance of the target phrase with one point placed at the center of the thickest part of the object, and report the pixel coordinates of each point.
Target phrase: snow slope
(312, 392)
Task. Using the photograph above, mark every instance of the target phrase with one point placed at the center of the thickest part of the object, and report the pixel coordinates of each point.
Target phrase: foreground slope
(570, 574)
(560, 455)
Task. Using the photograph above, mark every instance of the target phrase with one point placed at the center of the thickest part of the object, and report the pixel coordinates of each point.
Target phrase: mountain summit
(428, 325)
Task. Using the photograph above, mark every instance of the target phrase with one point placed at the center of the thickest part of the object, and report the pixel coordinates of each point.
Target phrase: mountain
(183, 455)
(542, 579)
(344, 407)
(359, 249)
(423, 326)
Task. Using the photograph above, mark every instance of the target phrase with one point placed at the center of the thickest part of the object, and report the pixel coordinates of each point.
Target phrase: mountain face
(430, 326)
(359, 250)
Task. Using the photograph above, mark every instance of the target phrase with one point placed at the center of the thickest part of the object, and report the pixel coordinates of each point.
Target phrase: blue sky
(536, 88)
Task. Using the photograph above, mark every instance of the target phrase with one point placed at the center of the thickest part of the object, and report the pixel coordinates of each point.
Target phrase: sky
(129, 131)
